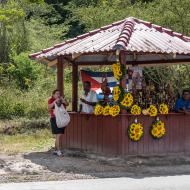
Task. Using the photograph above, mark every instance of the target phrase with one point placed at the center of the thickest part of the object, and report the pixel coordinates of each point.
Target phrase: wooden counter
(107, 135)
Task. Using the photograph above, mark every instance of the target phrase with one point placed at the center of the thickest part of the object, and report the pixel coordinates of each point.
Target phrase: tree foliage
(31, 25)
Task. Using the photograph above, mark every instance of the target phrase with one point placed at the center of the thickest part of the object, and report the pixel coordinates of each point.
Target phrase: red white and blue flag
(95, 78)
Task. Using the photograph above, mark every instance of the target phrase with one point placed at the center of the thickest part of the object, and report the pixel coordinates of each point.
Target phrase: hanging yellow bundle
(117, 71)
(152, 110)
(158, 129)
(135, 110)
(135, 131)
(116, 93)
(163, 109)
(114, 110)
(106, 110)
(98, 109)
(127, 100)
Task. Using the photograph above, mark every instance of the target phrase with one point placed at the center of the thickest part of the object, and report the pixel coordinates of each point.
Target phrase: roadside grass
(28, 140)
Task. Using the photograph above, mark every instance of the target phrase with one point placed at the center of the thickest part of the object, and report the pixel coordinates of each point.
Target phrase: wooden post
(122, 59)
(60, 75)
(74, 87)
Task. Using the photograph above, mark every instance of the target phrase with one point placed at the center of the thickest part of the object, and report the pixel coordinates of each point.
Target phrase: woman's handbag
(61, 115)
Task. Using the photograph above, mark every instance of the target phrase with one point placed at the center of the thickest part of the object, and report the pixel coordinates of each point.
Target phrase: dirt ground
(44, 166)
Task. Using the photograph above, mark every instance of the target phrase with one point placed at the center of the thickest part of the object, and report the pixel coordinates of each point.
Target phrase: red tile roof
(131, 34)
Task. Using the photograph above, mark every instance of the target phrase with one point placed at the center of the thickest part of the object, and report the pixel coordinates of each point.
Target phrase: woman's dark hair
(56, 90)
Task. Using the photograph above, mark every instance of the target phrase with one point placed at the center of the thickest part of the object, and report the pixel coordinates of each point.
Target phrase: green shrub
(6, 109)
(19, 110)
(37, 112)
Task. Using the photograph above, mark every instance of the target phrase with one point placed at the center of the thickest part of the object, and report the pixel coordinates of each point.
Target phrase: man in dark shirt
(183, 103)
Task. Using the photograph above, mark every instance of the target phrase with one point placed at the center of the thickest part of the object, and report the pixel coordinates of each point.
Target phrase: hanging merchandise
(152, 110)
(158, 129)
(135, 110)
(98, 109)
(135, 131)
(163, 109)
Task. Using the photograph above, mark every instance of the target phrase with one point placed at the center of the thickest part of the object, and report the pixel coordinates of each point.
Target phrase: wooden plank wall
(107, 135)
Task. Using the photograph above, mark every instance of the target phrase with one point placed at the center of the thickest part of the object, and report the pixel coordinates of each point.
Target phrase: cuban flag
(96, 79)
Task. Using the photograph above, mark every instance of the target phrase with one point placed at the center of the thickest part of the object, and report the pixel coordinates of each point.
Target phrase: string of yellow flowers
(98, 110)
(152, 110)
(116, 93)
(158, 129)
(163, 109)
(116, 67)
(106, 110)
(135, 131)
(127, 100)
(135, 110)
(114, 110)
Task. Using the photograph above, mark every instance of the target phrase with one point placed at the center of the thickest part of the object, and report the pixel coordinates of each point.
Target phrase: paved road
(151, 183)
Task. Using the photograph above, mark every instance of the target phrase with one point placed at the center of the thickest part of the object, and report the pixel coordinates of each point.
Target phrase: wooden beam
(52, 63)
(95, 63)
(60, 75)
(172, 61)
(74, 87)
(76, 55)
(180, 61)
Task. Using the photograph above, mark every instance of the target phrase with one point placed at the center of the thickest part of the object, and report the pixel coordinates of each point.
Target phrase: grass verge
(28, 139)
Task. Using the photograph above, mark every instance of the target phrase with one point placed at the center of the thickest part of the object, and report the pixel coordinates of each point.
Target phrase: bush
(37, 111)
(6, 109)
(23, 126)
(15, 103)
(18, 110)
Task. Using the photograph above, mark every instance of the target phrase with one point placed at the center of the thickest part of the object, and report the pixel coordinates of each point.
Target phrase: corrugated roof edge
(162, 29)
(90, 33)
(123, 39)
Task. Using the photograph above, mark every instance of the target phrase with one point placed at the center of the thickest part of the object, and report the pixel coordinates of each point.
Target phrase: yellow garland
(114, 110)
(117, 70)
(98, 109)
(152, 110)
(106, 110)
(135, 131)
(163, 109)
(116, 93)
(158, 130)
(135, 110)
(127, 100)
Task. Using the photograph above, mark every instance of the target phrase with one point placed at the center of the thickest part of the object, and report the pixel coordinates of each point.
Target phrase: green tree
(23, 71)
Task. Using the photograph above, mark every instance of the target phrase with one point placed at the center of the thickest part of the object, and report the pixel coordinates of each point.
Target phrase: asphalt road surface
(181, 182)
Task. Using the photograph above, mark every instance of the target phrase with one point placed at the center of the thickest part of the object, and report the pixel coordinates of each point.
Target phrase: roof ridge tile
(125, 34)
